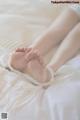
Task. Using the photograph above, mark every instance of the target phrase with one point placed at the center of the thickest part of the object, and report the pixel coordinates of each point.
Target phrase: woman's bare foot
(17, 61)
(34, 66)
(37, 66)
(17, 58)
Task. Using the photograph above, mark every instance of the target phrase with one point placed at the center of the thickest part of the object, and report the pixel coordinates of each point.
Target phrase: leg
(57, 32)
(35, 67)
(67, 49)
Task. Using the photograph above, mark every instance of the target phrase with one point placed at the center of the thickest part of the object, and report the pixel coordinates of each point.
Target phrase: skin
(65, 31)
(35, 67)
(57, 32)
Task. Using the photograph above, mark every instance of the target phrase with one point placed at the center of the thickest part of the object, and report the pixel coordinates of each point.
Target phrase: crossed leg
(68, 48)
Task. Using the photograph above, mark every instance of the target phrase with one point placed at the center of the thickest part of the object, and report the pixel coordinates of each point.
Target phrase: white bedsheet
(21, 21)
(22, 100)
(61, 101)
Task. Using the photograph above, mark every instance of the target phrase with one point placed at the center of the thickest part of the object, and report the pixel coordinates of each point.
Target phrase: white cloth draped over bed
(22, 100)
(21, 21)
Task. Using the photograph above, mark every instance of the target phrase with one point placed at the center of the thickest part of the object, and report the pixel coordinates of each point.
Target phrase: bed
(21, 21)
